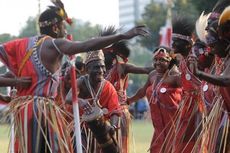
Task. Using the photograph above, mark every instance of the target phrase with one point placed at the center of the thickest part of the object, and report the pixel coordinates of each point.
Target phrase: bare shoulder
(152, 73)
(174, 71)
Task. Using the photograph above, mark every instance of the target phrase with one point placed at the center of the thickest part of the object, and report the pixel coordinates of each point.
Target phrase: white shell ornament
(205, 87)
(163, 90)
(188, 76)
(201, 51)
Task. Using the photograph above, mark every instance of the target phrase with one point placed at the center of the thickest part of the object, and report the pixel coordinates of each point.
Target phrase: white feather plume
(201, 24)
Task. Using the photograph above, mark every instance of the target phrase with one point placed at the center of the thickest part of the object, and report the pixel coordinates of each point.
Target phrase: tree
(141, 57)
(6, 37)
(154, 17)
(80, 30)
(204, 5)
(83, 30)
(30, 29)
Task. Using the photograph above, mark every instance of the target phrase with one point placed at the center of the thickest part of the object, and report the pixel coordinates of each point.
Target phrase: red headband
(162, 53)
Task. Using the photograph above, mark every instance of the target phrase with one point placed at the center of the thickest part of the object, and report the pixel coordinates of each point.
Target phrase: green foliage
(80, 30)
(5, 37)
(30, 28)
(204, 5)
(154, 18)
(141, 57)
(83, 30)
(186, 8)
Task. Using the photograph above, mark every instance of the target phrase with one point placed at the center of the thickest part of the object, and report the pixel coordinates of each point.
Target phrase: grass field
(142, 131)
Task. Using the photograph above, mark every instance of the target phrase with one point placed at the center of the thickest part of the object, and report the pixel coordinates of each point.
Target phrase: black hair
(107, 31)
(49, 15)
(220, 6)
(79, 65)
(119, 48)
(183, 25)
(109, 58)
(64, 68)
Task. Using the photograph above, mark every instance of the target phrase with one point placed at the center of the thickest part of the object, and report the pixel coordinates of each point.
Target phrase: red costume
(164, 103)
(188, 117)
(121, 84)
(108, 100)
(34, 108)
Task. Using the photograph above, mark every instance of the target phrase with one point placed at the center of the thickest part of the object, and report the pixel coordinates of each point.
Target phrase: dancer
(117, 73)
(97, 92)
(163, 90)
(40, 58)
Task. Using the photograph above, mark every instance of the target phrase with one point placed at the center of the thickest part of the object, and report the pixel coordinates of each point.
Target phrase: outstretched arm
(223, 80)
(70, 48)
(213, 79)
(140, 92)
(130, 68)
(23, 82)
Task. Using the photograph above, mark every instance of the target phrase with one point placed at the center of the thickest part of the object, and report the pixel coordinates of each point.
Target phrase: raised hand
(192, 63)
(136, 31)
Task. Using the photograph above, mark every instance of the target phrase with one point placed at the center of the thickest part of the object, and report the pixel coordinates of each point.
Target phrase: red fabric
(225, 92)
(191, 100)
(114, 77)
(14, 52)
(44, 85)
(208, 95)
(109, 98)
(121, 84)
(2, 102)
(188, 85)
(163, 107)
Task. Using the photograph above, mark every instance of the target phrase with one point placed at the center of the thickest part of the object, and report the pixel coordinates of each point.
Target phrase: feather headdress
(119, 48)
(201, 25)
(62, 12)
(183, 28)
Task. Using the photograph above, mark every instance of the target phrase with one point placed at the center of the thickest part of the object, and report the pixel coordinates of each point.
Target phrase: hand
(23, 82)
(128, 101)
(84, 104)
(136, 31)
(113, 129)
(192, 62)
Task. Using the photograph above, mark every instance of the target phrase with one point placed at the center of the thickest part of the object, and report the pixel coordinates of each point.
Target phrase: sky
(14, 13)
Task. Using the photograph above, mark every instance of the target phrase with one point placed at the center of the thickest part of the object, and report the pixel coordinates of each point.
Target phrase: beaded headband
(183, 37)
(94, 56)
(162, 53)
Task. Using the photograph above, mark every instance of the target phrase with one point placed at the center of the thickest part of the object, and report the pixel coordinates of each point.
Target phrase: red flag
(166, 34)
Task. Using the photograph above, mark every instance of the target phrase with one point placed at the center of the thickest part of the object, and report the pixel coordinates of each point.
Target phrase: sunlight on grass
(141, 129)
(4, 138)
